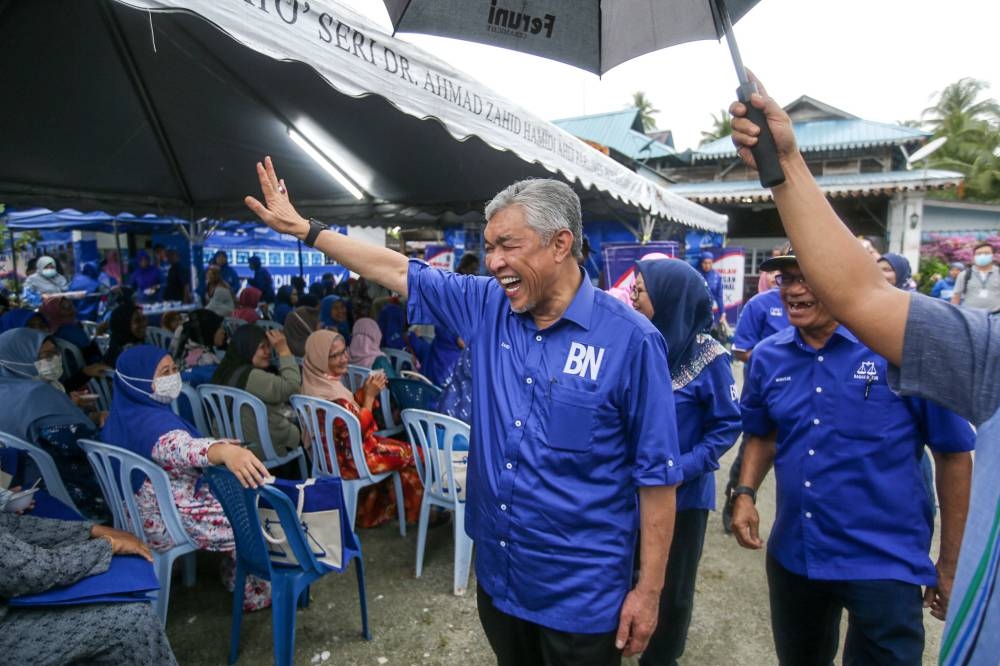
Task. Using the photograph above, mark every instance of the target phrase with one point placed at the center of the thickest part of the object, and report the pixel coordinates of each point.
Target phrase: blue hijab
(327, 321)
(18, 318)
(682, 307)
(28, 401)
(282, 304)
(136, 421)
(901, 266)
(392, 321)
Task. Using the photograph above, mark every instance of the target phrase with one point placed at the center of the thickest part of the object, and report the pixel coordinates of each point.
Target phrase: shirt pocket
(864, 418)
(572, 414)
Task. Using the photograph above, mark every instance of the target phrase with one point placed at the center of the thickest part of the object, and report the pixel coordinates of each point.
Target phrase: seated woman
(63, 324)
(87, 280)
(23, 318)
(323, 368)
(366, 347)
(218, 296)
(284, 303)
(299, 325)
(249, 300)
(196, 354)
(146, 381)
(145, 278)
(37, 554)
(36, 409)
(392, 323)
(128, 328)
(333, 315)
(247, 366)
(44, 281)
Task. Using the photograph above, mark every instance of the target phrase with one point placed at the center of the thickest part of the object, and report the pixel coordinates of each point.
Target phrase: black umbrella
(595, 36)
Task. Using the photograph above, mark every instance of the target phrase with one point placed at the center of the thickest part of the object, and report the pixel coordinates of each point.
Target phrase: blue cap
(708, 255)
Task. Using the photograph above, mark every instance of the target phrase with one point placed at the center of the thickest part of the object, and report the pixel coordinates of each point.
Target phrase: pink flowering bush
(949, 248)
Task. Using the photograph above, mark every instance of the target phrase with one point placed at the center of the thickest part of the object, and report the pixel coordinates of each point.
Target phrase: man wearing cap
(714, 282)
(853, 526)
(574, 436)
(945, 286)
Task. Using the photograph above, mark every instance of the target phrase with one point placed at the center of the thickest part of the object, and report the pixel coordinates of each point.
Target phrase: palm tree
(646, 110)
(721, 126)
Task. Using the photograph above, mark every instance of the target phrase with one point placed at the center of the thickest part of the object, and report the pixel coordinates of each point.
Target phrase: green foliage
(931, 268)
(646, 110)
(721, 126)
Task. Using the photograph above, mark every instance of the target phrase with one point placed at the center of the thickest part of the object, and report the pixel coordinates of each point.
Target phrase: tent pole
(13, 258)
(122, 264)
(301, 273)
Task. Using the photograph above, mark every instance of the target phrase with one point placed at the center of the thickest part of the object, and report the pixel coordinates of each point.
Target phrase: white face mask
(983, 259)
(48, 272)
(49, 369)
(167, 388)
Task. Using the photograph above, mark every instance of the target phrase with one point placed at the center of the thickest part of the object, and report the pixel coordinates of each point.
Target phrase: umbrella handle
(765, 153)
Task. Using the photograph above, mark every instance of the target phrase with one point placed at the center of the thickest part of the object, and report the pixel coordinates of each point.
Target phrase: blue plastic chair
(414, 394)
(224, 407)
(289, 584)
(72, 357)
(438, 441)
(103, 387)
(324, 458)
(46, 467)
(354, 379)
(159, 337)
(189, 403)
(115, 468)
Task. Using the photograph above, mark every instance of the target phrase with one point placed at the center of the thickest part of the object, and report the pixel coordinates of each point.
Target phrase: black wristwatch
(743, 490)
(315, 226)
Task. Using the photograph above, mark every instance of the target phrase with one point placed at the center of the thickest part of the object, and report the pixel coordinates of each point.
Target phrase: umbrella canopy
(164, 106)
(594, 35)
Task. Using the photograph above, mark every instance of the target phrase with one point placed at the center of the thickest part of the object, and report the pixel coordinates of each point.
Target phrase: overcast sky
(878, 59)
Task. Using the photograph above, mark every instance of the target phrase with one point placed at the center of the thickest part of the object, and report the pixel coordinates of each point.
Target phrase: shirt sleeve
(177, 449)
(446, 299)
(951, 355)
(757, 420)
(30, 569)
(748, 328)
(720, 419)
(943, 430)
(652, 419)
(960, 282)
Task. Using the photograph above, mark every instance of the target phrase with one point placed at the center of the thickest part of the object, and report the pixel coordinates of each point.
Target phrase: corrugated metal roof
(840, 186)
(816, 135)
(617, 130)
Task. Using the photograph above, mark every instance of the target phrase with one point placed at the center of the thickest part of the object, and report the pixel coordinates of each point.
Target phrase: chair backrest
(400, 359)
(89, 327)
(103, 386)
(269, 325)
(159, 337)
(46, 466)
(231, 324)
(413, 374)
(318, 416)
(224, 407)
(103, 342)
(354, 379)
(240, 506)
(414, 394)
(189, 395)
(115, 469)
(72, 357)
(433, 437)
(356, 376)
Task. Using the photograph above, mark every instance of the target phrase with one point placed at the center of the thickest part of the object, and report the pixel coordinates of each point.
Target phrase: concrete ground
(419, 621)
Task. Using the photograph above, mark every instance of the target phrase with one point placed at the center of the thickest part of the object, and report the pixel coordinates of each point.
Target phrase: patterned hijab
(316, 378)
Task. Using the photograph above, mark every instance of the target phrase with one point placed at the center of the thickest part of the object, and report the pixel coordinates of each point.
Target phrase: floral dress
(182, 457)
(377, 503)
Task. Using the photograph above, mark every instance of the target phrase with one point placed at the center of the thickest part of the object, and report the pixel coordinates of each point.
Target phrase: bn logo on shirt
(584, 359)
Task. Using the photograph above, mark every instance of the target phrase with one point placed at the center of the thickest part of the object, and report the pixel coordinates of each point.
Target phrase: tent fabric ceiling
(115, 108)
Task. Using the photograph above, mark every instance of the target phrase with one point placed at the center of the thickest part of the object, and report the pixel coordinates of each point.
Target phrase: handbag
(319, 505)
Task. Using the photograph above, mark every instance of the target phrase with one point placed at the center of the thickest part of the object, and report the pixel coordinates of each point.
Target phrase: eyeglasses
(637, 290)
(342, 353)
(786, 280)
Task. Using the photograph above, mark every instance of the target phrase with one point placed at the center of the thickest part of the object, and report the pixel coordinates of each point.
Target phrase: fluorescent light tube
(326, 163)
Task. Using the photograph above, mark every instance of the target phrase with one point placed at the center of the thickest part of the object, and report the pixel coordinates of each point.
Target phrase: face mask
(983, 259)
(49, 369)
(167, 388)
(48, 272)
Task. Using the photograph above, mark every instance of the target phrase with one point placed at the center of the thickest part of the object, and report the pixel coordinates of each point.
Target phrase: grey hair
(549, 207)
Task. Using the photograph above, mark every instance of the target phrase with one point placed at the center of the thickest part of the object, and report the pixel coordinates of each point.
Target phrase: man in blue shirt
(261, 279)
(714, 282)
(854, 523)
(574, 438)
(763, 315)
(945, 286)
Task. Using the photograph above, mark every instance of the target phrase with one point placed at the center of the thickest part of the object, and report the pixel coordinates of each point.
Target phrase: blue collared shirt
(763, 315)
(708, 423)
(851, 501)
(567, 423)
(714, 282)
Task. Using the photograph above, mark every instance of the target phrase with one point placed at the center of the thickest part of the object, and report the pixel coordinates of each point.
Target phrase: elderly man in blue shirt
(854, 522)
(574, 440)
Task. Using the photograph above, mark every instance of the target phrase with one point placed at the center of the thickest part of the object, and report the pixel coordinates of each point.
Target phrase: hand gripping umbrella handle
(765, 153)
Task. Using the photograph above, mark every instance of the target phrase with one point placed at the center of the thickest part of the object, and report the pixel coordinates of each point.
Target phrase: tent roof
(167, 110)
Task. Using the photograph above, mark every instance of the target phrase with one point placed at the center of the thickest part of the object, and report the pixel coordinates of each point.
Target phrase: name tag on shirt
(984, 293)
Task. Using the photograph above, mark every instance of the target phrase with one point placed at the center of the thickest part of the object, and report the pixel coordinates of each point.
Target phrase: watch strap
(315, 227)
(743, 490)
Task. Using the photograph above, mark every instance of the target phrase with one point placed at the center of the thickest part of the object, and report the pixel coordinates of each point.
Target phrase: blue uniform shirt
(567, 423)
(851, 502)
(708, 423)
(763, 315)
(714, 282)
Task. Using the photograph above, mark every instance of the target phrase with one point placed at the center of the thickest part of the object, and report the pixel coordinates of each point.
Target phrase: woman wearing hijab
(45, 280)
(247, 366)
(146, 382)
(284, 303)
(299, 325)
(897, 271)
(200, 337)
(392, 323)
(218, 293)
(128, 328)
(23, 318)
(323, 369)
(87, 280)
(366, 347)
(146, 278)
(333, 316)
(249, 300)
(61, 314)
(674, 296)
(37, 409)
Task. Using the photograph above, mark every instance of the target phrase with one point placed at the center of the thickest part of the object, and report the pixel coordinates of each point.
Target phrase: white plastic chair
(102, 342)
(413, 374)
(400, 359)
(324, 457)
(89, 327)
(190, 394)
(115, 468)
(103, 387)
(223, 411)
(354, 379)
(442, 471)
(46, 466)
(159, 337)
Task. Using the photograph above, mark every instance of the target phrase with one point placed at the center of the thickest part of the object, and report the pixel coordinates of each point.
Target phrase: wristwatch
(743, 490)
(315, 226)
